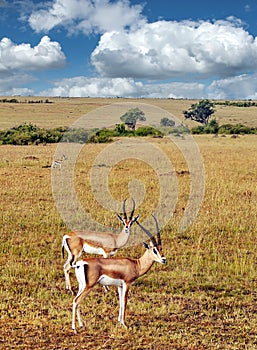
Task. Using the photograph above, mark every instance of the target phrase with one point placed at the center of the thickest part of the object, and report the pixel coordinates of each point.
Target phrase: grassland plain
(204, 298)
(65, 111)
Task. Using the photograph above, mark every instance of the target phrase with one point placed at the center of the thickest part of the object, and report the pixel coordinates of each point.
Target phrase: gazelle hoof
(123, 324)
(69, 290)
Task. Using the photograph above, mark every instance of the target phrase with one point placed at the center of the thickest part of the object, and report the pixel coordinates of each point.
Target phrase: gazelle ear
(119, 217)
(135, 219)
(146, 245)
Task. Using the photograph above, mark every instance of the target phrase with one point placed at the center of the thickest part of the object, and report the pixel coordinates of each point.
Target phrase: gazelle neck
(145, 263)
(123, 237)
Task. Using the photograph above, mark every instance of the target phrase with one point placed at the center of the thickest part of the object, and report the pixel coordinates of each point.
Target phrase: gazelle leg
(79, 317)
(105, 255)
(76, 308)
(106, 289)
(120, 296)
(66, 269)
(68, 264)
(123, 296)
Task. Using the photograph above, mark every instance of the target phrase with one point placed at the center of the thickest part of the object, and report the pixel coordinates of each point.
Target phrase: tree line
(15, 100)
(248, 103)
(27, 134)
(213, 127)
(200, 112)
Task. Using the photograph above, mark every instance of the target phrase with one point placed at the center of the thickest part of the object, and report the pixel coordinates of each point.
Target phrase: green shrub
(198, 129)
(26, 134)
(100, 138)
(167, 122)
(106, 135)
(147, 131)
(248, 103)
(230, 129)
(212, 127)
(227, 129)
(121, 129)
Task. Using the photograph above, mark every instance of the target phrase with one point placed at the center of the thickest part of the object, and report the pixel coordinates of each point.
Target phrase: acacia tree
(131, 117)
(200, 112)
(167, 122)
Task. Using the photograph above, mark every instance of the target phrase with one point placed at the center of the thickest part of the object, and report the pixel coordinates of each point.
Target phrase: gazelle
(58, 162)
(120, 272)
(102, 243)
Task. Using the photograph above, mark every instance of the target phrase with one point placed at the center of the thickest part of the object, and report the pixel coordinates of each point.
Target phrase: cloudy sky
(104, 48)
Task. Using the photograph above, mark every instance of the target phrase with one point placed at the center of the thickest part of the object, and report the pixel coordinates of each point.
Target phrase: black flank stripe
(85, 272)
(72, 259)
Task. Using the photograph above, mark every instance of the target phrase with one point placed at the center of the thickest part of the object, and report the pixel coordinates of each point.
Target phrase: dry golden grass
(62, 112)
(205, 298)
(224, 114)
(65, 111)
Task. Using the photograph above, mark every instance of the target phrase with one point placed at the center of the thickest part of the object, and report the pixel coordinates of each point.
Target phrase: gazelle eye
(155, 251)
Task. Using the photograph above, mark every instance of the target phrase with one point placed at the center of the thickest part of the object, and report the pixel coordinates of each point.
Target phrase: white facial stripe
(155, 251)
(157, 254)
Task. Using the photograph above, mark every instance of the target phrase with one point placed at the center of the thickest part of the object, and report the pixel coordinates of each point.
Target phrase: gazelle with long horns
(120, 272)
(102, 243)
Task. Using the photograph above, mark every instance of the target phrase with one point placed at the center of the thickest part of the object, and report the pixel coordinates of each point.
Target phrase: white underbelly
(93, 250)
(109, 281)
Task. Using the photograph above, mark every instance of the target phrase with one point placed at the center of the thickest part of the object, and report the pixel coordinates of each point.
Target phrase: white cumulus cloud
(122, 87)
(11, 84)
(164, 50)
(94, 87)
(134, 58)
(85, 16)
(16, 60)
(46, 55)
(239, 87)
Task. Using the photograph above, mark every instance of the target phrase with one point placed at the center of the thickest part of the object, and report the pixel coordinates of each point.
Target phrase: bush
(212, 127)
(236, 129)
(21, 135)
(147, 131)
(100, 138)
(227, 129)
(26, 134)
(167, 122)
(106, 135)
(198, 130)
(121, 129)
(248, 103)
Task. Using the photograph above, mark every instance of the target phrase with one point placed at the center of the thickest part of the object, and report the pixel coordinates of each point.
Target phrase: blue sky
(104, 48)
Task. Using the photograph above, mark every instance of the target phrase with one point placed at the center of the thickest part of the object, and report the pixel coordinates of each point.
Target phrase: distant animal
(58, 162)
(120, 272)
(102, 243)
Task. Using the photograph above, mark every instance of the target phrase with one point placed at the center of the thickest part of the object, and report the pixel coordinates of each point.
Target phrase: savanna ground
(204, 298)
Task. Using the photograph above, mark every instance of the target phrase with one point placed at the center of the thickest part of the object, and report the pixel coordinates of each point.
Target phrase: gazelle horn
(148, 234)
(133, 209)
(124, 209)
(158, 231)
